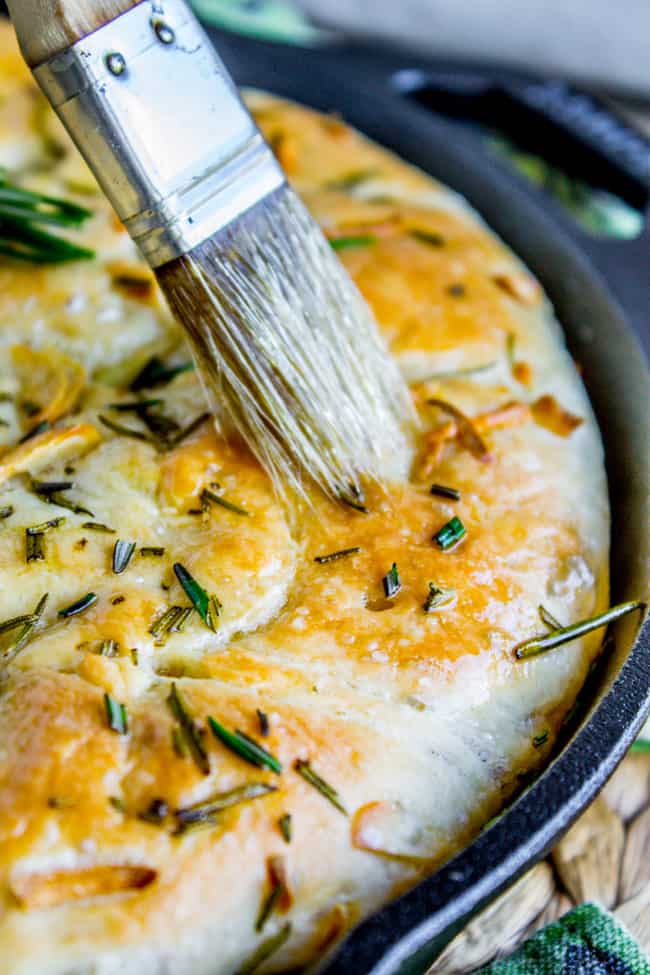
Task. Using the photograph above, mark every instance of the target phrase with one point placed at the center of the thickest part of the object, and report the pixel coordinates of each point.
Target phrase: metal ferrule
(159, 121)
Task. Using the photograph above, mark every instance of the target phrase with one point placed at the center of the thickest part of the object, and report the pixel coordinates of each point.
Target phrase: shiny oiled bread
(138, 838)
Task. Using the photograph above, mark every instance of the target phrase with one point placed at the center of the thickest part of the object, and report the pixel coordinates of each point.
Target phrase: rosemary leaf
(96, 526)
(135, 406)
(6, 512)
(450, 534)
(548, 619)
(391, 582)
(269, 904)
(26, 631)
(309, 775)
(284, 822)
(189, 728)
(335, 556)
(209, 494)
(221, 801)
(245, 747)
(347, 243)
(189, 429)
(350, 180)
(208, 607)
(45, 526)
(75, 609)
(123, 431)
(8, 625)
(541, 739)
(108, 648)
(39, 428)
(155, 551)
(445, 492)
(22, 212)
(116, 715)
(156, 373)
(427, 237)
(264, 951)
(155, 813)
(34, 547)
(122, 555)
(264, 723)
(438, 597)
(541, 644)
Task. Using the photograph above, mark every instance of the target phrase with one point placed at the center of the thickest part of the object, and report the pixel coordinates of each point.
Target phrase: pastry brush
(287, 350)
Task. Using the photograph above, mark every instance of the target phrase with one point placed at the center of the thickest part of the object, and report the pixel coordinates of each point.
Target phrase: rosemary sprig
(21, 214)
(245, 747)
(335, 556)
(442, 491)
(450, 534)
(209, 808)
(391, 582)
(208, 607)
(284, 822)
(541, 644)
(26, 630)
(122, 555)
(81, 605)
(309, 775)
(210, 495)
(190, 730)
(264, 951)
(116, 715)
(347, 243)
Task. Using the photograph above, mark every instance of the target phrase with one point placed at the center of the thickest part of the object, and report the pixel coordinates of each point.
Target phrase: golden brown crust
(420, 722)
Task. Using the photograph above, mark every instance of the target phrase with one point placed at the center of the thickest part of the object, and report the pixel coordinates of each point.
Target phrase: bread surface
(421, 722)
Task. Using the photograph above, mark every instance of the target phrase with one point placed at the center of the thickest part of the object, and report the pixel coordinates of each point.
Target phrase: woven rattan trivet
(605, 857)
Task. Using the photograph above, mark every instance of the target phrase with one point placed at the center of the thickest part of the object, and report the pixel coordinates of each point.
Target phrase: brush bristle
(289, 351)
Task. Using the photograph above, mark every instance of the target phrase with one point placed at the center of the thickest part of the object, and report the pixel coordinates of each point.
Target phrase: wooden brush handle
(47, 27)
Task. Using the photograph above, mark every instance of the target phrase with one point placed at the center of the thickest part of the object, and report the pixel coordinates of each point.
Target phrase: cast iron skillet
(601, 292)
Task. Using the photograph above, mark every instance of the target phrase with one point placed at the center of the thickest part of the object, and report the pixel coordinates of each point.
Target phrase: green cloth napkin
(586, 941)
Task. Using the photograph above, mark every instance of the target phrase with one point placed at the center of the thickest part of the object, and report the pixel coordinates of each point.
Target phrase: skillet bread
(355, 659)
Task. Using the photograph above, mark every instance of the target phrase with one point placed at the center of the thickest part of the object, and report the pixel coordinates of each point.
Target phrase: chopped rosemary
(269, 903)
(122, 555)
(136, 405)
(450, 534)
(391, 582)
(116, 715)
(156, 373)
(346, 243)
(163, 427)
(210, 495)
(264, 723)
(164, 623)
(548, 619)
(51, 487)
(190, 730)
(335, 556)
(438, 597)
(52, 492)
(152, 550)
(309, 775)
(445, 492)
(245, 747)
(350, 180)
(541, 644)
(59, 802)
(34, 547)
(189, 429)
(45, 526)
(123, 431)
(457, 290)
(427, 237)
(118, 804)
(264, 951)
(178, 743)
(80, 606)
(26, 631)
(156, 812)
(115, 600)
(284, 822)
(208, 607)
(206, 810)
(39, 428)
(23, 212)
(109, 648)
(96, 526)
(541, 739)
(6, 512)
